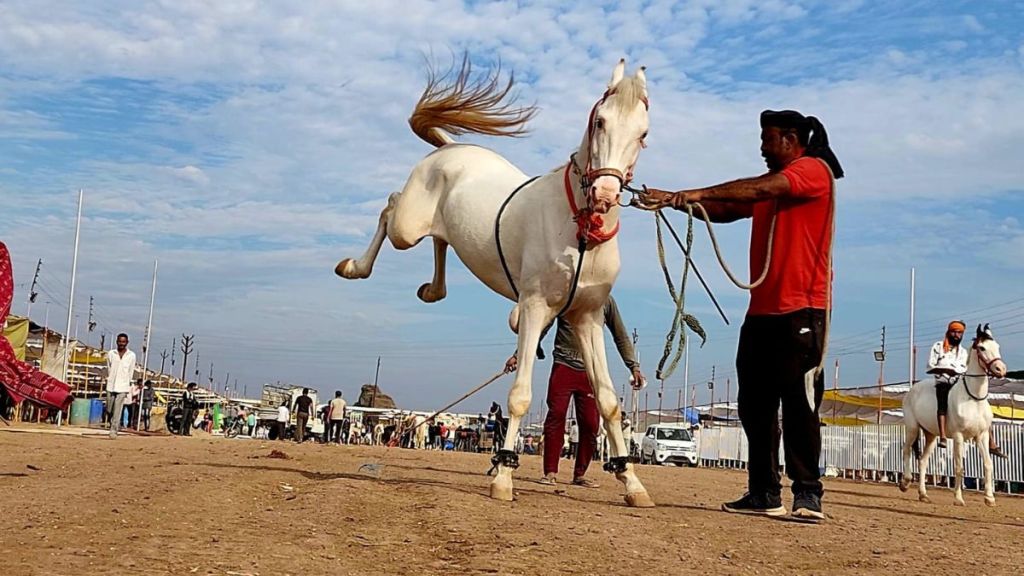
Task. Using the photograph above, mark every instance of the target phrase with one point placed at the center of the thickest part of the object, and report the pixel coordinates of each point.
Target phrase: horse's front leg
(958, 468)
(534, 315)
(589, 331)
(981, 442)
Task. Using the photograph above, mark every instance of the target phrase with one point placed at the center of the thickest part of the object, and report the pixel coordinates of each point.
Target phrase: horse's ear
(617, 74)
(641, 75)
(987, 331)
(979, 333)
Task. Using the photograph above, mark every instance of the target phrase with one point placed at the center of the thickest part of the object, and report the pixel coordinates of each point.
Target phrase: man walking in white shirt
(120, 370)
(336, 417)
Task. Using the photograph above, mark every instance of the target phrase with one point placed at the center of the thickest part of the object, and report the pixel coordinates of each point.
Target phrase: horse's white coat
(966, 419)
(454, 195)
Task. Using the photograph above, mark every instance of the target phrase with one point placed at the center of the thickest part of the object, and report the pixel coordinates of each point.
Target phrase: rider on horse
(948, 363)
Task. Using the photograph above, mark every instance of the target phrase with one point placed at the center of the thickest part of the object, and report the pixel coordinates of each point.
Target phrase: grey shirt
(565, 342)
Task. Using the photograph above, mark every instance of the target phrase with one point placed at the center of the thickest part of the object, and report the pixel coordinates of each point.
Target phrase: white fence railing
(874, 449)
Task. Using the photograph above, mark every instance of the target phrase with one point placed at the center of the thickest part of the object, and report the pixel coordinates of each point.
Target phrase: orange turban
(957, 325)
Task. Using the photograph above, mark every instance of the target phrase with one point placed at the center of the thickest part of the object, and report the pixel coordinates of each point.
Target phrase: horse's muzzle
(605, 193)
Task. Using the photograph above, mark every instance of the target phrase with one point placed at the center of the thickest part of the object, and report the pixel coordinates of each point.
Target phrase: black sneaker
(757, 504)
(807, 507)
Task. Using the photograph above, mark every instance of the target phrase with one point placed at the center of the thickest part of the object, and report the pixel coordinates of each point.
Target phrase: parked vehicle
(272, 397)
(668, 443)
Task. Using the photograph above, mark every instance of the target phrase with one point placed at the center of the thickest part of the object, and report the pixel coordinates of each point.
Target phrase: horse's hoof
(500, 492)
(924, 499)
(990, 502)
(427, 295)
(346, 269)
(958, 503)
(639, 500)
(904, 486)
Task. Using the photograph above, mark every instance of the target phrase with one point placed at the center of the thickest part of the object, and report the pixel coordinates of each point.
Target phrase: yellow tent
(16, 332)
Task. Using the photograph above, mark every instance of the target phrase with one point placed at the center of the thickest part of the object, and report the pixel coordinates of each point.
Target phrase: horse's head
(614, 138)
(987, 350)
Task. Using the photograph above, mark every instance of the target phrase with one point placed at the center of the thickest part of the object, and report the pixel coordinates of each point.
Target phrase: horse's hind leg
(361, 268)
(435, 289)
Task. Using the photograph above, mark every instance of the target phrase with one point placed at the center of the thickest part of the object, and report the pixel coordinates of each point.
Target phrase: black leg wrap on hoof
(616, 465)
(506, 458)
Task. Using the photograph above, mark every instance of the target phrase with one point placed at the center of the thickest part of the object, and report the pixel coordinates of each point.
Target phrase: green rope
(679, 318)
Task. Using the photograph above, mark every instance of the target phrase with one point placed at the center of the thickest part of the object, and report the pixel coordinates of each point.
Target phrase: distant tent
(690, 415)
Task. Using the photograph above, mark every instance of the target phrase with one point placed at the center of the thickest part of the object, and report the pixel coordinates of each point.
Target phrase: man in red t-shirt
(782, 341)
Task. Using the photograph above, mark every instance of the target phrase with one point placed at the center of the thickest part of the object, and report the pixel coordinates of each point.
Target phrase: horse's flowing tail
(453, 106)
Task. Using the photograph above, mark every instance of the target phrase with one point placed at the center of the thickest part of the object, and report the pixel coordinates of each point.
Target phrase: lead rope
(721, 259)
(679, 317)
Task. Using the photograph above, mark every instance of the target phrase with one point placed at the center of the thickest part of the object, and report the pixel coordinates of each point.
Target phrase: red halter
(589, 224)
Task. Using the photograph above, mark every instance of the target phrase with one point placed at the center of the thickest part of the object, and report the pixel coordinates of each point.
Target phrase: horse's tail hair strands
(455, 103)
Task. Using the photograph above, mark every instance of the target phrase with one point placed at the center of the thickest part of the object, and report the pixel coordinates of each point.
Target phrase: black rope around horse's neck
(582, 247)
(497, 234)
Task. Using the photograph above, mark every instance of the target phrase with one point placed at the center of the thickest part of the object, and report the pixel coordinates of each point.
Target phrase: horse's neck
(976, 378)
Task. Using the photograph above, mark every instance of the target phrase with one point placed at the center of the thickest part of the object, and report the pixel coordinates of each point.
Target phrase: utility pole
(163, 360)
(634, 397)
(679, 404)
(211, 373)
(711, 387)
(92, 321)
(32, 294)
(186, 349)
(196, 374)
(728, 400)
(880, 356)
(373, 397)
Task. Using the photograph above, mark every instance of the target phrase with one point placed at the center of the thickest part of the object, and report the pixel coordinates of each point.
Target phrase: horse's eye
(643, 136)
(599, 123)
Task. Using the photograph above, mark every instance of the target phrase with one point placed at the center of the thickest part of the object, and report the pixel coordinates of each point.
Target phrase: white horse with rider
(969, 417)
(548, 243)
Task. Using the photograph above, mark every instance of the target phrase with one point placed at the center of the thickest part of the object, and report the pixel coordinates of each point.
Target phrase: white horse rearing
(473, 199)
(969, 417)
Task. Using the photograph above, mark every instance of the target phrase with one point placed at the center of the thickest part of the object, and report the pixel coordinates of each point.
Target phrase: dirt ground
(205, 505)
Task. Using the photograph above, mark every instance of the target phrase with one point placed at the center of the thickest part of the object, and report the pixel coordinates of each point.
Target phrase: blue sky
(249, 147)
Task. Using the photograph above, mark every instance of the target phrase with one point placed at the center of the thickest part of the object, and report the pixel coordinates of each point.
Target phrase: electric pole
(32, 294)
(92, 322)
(163, 360)
(373, 397)
(186, 349)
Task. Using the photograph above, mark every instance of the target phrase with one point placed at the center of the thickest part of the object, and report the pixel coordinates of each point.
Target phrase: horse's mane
(456, 103)
(630, 92)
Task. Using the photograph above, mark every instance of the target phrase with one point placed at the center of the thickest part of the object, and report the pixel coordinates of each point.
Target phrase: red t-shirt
(798, 276)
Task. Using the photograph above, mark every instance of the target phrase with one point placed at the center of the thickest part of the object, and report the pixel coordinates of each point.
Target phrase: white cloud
(270, 136)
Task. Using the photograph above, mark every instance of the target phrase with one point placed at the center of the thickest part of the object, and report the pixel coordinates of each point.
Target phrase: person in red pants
(569, 382)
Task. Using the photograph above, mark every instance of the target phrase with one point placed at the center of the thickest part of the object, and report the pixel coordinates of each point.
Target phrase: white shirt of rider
(955, 359)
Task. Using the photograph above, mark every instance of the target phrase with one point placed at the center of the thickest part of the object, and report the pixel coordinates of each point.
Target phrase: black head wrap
(810, 132)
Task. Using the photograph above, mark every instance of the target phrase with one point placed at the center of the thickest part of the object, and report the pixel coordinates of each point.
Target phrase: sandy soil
(203, 505)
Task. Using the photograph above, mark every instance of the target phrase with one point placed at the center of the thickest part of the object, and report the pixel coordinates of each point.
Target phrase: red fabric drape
(22, 380)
